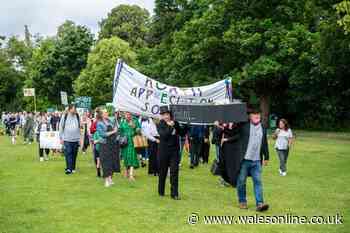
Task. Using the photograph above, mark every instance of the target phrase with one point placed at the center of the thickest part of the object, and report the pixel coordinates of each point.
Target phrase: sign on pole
(29, 91)
(64, 98)
(83, 102)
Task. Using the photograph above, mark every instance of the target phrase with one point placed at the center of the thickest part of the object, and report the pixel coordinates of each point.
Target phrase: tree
(129, 23)
(343, 10)
(10, 84)
(96, 80)
(57, 61)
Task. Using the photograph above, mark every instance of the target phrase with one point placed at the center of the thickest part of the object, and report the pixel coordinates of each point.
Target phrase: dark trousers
(70, 153)
(166, 160)
(195, 149)
(153, 158)
(41, 151)
(205, 152)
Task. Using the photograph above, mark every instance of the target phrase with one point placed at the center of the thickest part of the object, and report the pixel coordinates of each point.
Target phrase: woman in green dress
(129, 127)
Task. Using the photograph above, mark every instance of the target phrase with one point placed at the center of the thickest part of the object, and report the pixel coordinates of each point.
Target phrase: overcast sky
(44, 16)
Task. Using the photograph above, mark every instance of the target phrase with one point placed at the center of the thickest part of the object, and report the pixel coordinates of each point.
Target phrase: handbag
(123, 141)
(140, 141)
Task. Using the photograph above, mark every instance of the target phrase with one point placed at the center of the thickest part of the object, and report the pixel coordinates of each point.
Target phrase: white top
(149, 130)
(283, 136)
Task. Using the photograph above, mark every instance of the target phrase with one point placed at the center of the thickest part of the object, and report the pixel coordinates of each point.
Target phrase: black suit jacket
(244, 137)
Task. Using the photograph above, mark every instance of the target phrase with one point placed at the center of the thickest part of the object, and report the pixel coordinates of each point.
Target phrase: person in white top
(284, 138)
(149, 130)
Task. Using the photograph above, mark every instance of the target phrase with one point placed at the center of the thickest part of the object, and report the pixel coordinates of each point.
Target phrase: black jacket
(244, 137)
(168, 140)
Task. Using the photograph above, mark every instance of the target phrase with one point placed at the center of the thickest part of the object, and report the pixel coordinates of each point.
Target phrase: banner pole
(34, 103)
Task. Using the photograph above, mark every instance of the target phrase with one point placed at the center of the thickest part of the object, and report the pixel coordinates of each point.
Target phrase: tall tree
(96, 80)
(57, 61)
(128, 22)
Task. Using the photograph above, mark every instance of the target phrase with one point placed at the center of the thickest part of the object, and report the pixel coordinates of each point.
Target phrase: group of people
(241, 148)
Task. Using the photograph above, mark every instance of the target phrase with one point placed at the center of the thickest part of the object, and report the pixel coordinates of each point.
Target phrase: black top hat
(164, 109)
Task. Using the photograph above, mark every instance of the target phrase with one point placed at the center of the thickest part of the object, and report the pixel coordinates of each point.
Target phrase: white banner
(28, 91)
(50, 140)
(139, 94)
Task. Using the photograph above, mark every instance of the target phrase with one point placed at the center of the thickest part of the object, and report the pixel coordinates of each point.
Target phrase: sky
(44, 16)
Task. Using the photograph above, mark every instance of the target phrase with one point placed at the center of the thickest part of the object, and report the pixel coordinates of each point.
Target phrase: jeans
(254, 169)
(70, 153)
(283, 156)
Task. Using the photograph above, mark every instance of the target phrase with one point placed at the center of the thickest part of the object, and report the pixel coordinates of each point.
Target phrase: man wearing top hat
(169, 132)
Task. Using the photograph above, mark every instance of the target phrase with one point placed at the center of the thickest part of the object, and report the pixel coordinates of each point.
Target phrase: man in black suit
(255, 153)
(169, 148)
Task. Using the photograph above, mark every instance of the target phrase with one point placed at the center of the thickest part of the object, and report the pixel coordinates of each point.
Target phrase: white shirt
(283, 136)
(149, 130)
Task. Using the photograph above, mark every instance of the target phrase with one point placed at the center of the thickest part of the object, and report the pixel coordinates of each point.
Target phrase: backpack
(65, 119)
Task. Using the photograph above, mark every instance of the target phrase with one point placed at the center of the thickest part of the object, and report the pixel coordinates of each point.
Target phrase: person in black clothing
(169, 132)
(230, 156)
(54, 121)
(206, 145)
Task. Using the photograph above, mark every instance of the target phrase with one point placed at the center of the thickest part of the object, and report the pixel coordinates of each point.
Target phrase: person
(284, 138)
(43, 126)
(85, 126)
(196, 136)
(169, 132)
(229, 161)
(205, 146)
(129, 127)
(54, 121)
(149, 130)
(143, 151)
(69, 132)
(12, 126)
(28, 128)
(109, 152)
(216, 138)
(255, 152)
(95, 144)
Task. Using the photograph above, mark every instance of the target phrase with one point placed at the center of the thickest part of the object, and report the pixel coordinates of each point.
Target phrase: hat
(164, 109)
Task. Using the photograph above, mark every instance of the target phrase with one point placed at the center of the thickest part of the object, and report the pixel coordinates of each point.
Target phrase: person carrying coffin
(169, 132)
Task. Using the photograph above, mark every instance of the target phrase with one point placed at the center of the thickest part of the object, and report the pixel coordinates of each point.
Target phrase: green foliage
(96, 80)
(57, 61)
(343, 9)
(127, 22)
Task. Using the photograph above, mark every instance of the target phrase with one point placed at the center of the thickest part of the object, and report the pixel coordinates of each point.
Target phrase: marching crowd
(241, 150)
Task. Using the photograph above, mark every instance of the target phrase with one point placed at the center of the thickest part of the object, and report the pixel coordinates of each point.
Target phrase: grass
(38, 197)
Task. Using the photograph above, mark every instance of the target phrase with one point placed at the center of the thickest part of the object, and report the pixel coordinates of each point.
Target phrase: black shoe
(262, 207)
(98, 172)
(68, 172)
(191, 166)
(177, 198)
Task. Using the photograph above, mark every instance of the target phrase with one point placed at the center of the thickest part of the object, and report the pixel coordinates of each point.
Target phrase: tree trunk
(265, 109)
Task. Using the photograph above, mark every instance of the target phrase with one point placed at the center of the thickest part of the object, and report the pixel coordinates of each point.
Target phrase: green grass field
(38, 197)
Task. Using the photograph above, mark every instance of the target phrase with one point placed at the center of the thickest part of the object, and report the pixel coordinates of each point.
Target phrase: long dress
(109, 152)
(230, 156)
(128, 152)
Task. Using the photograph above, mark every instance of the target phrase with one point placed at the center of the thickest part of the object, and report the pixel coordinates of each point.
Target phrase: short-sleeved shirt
(283, 136)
